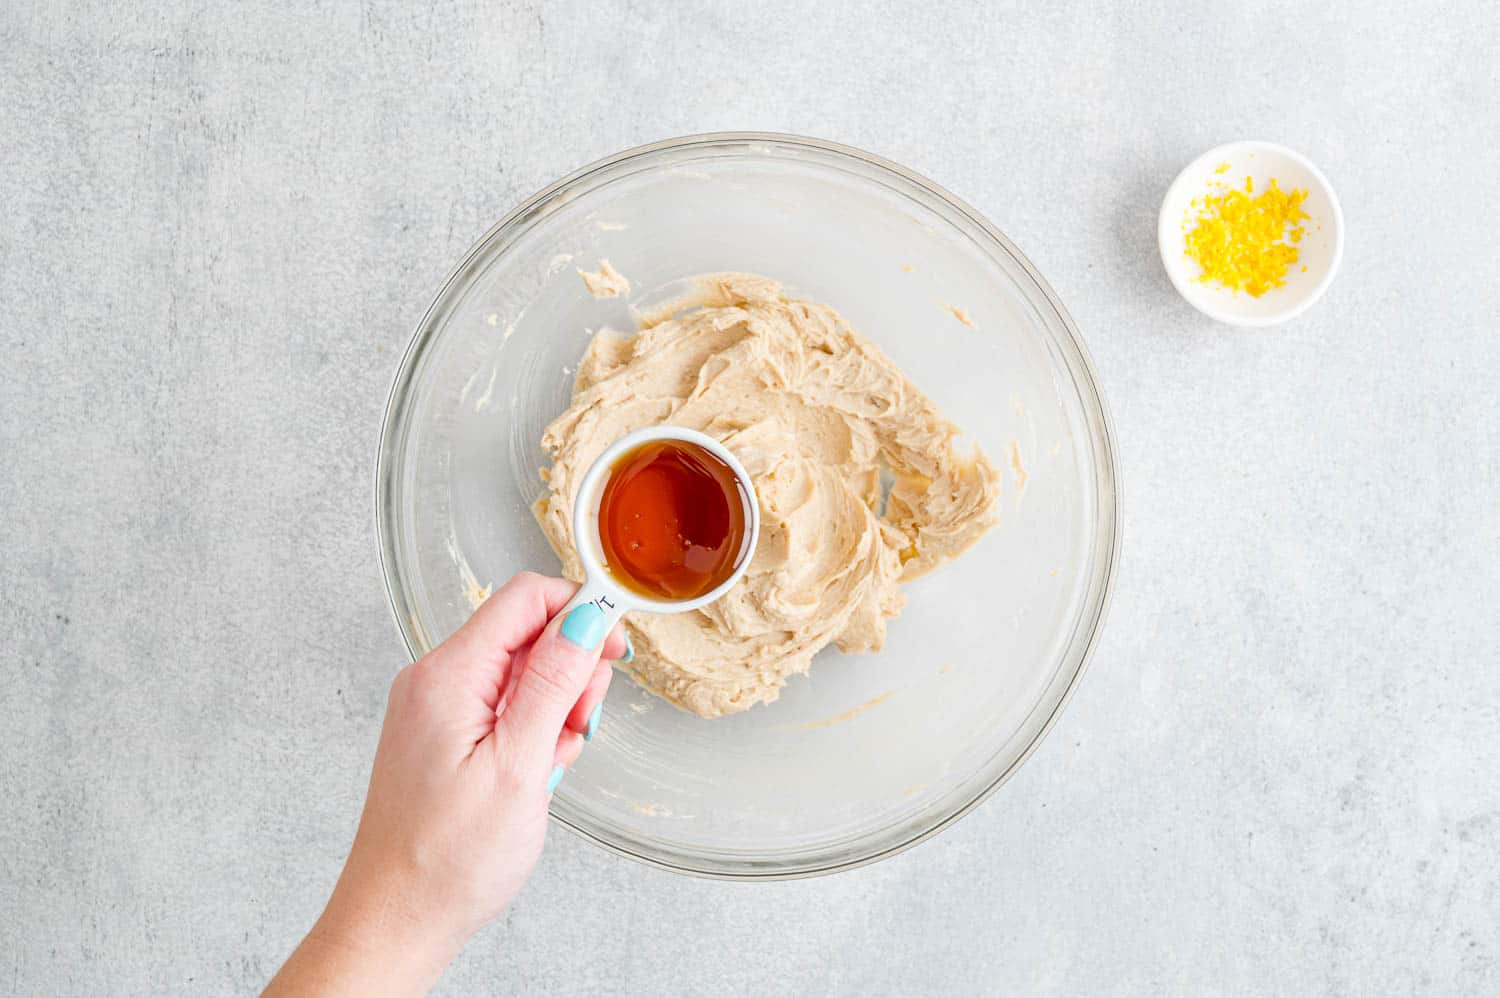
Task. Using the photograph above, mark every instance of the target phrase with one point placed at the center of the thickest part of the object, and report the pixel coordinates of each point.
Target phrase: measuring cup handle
(603, 595)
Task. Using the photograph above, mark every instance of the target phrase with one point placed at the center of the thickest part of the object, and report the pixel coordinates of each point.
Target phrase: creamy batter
(606, 282)
(816, 413)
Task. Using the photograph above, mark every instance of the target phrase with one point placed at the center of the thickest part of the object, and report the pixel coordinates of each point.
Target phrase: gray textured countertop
(221, 225)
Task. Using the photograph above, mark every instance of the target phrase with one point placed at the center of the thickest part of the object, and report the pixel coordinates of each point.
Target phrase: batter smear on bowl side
(816, 413)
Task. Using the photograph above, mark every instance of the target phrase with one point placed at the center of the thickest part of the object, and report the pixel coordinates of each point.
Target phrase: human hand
(476, 735)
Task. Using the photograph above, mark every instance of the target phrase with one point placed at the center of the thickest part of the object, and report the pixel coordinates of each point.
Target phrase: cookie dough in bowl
(918, 320)
(860, 483)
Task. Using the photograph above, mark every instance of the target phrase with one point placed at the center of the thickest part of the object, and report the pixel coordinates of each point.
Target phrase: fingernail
(588, 735)
(629, 655)
(585, 626)
(555, 779)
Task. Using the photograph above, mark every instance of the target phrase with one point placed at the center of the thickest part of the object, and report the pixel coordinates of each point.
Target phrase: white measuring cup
(600, 587)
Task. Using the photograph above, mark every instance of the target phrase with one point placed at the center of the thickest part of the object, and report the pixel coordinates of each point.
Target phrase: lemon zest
(1247, 241)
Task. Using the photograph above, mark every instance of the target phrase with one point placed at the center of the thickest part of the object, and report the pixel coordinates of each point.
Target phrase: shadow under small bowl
(1319, 252)
(869, 753)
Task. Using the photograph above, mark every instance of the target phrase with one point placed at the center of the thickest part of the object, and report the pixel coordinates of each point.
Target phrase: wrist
(379, 929)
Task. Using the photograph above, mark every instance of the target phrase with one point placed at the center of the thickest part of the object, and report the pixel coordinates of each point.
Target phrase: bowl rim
(1093, 612)
(1165, 233)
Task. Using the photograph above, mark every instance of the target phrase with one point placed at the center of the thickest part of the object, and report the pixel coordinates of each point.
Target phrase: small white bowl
(1319, 252)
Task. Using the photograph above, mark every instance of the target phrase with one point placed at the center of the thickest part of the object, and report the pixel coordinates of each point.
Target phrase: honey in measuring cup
(671, 520)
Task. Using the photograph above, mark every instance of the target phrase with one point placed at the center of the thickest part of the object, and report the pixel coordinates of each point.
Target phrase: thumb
(558, 668)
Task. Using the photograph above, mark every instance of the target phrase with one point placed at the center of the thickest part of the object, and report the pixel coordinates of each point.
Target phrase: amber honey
(671, 520)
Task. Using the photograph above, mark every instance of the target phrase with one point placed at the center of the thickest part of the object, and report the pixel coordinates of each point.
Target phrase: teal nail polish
(585, 626)
(555, 779)
(629, 655)
(588, 735)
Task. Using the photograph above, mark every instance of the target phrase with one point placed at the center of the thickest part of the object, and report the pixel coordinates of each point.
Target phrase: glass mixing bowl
(868, 754)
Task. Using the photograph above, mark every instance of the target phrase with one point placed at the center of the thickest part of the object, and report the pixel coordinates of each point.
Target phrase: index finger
(512, 617)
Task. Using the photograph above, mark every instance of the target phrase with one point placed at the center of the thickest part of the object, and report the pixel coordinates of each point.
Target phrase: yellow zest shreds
(1241, 238)
(1222, 168)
